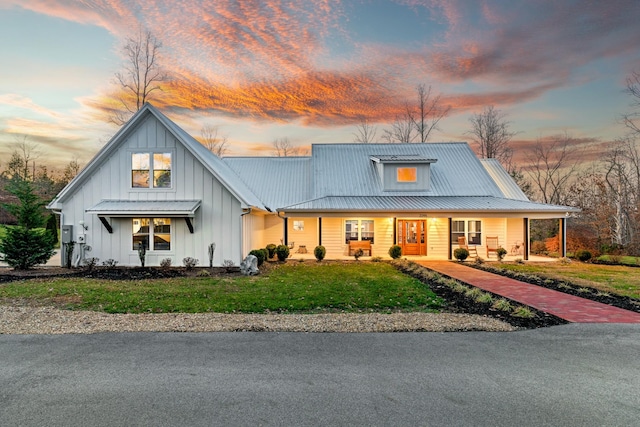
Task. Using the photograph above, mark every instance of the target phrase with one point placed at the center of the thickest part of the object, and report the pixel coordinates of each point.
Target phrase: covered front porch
(424, 235)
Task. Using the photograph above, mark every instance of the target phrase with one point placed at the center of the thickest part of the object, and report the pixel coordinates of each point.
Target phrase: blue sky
(310, 70)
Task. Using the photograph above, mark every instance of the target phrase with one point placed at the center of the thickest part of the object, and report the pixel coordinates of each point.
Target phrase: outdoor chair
(462, 243)
(492, 246)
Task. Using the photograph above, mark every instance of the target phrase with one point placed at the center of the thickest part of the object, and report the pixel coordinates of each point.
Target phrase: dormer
(406, 172)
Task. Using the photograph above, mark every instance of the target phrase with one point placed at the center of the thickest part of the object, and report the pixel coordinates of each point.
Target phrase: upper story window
(151, 170)
(407, 174)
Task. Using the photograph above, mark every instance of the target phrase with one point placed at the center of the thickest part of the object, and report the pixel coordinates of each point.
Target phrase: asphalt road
(571, 375)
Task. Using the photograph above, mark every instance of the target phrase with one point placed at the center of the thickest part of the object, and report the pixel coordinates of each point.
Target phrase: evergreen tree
(27, 244)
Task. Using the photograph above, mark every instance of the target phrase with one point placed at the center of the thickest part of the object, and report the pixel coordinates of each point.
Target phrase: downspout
(285, 240)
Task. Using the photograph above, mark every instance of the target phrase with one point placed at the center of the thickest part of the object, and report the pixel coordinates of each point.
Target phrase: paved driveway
(570, 375)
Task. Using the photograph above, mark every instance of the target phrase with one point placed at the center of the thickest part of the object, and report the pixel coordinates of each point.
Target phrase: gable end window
(151, 170)
(407, 174)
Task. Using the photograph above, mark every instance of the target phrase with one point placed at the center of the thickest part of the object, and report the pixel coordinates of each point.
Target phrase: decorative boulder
(249, 267)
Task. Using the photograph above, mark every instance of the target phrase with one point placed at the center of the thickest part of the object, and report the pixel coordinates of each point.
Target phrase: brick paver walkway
(565, 306)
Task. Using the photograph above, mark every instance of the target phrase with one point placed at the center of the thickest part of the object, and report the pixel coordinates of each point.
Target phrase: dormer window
(406, 172)
(151, 170)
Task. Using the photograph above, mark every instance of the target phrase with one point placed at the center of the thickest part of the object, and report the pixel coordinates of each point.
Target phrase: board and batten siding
(218, 220)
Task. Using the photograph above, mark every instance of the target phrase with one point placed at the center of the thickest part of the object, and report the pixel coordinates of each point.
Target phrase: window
(472, 230)
(407, 174)
(298, 225)
(146, 165)
(358, 229)
(156, 231)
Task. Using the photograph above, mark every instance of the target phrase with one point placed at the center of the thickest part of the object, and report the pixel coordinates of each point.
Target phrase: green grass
(614, 279)
(294, 287)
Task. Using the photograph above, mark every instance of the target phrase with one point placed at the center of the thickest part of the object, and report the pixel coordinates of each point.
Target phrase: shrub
(190, 262)
(203, 273)
(461, 254)
(473, 293)
(165, 263)
(376, 259)
(271, 250)
(519, 261)
(282, 252)
(89, 263)
(319, 252)
(501, 253)
(479, 260)
(503, 305)
(52, 228)
(523, 312)
(228, 265)
(583, 255)
(485, 298)
(395, 251)
(110, 263)
(258, 253)
(68, 250)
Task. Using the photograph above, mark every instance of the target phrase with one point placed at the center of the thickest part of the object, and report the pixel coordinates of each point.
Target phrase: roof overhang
(141, 208)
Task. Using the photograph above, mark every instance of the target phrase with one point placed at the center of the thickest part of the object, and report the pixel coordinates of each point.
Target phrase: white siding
(217, 220)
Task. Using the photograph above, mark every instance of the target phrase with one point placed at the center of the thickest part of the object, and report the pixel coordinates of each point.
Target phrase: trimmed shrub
(319, 252)
(271, 250)
(583, 255)
(461, 254)
(258, 253)
(501, 253)
(395, 251)
(190, 262)
(282, 252)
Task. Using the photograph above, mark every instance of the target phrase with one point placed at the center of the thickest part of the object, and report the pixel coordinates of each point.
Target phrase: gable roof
(229, 179)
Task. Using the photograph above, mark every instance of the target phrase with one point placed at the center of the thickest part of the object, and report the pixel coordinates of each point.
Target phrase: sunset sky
(309, 70)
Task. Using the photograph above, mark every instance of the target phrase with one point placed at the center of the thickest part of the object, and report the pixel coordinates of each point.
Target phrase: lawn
(615, 279)
(292, 287)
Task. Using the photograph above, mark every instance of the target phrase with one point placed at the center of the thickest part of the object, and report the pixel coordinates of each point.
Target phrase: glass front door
(412, 236)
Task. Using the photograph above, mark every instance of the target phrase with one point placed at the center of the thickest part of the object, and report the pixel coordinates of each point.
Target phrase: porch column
(525, 223)
(450, 255)
(562, 235)
(286, 231)
(319, 231)
(395, 230)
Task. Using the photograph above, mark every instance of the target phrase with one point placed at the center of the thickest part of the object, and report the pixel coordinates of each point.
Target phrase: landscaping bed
(565, 286)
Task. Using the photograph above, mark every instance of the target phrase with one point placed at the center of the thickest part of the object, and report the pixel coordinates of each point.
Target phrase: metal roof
(424, 204)
(503, 180)
(407, 158)
(280, 181)
(145, 207)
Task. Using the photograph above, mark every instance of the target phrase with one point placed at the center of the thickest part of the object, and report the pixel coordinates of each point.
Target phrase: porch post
(562, 233)
(319, 231)
(526, 238)
(449, 239)
(395, 230)
(286, 231)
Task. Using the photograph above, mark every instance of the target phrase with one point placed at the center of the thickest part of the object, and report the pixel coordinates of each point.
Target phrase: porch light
(81, 224)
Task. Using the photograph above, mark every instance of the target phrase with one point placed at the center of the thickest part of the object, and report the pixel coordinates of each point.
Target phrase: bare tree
(429, 112)
(22, 164)
(282, 147)
(551, 167)
(630, 120)
(214, 143)
(71, 170)
(418, 120)
(142, 74)
(402, 130)
(365, 133)
(490, 131)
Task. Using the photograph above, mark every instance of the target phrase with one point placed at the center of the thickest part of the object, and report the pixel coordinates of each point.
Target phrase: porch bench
(365, 245)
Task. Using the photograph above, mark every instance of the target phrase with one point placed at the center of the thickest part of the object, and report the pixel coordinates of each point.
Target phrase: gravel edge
(50, 320)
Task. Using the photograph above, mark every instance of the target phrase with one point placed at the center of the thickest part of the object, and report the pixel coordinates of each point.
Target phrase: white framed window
(153, 233)
(298, 225)
(151, 170)
(471, 229)
(358, 229)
